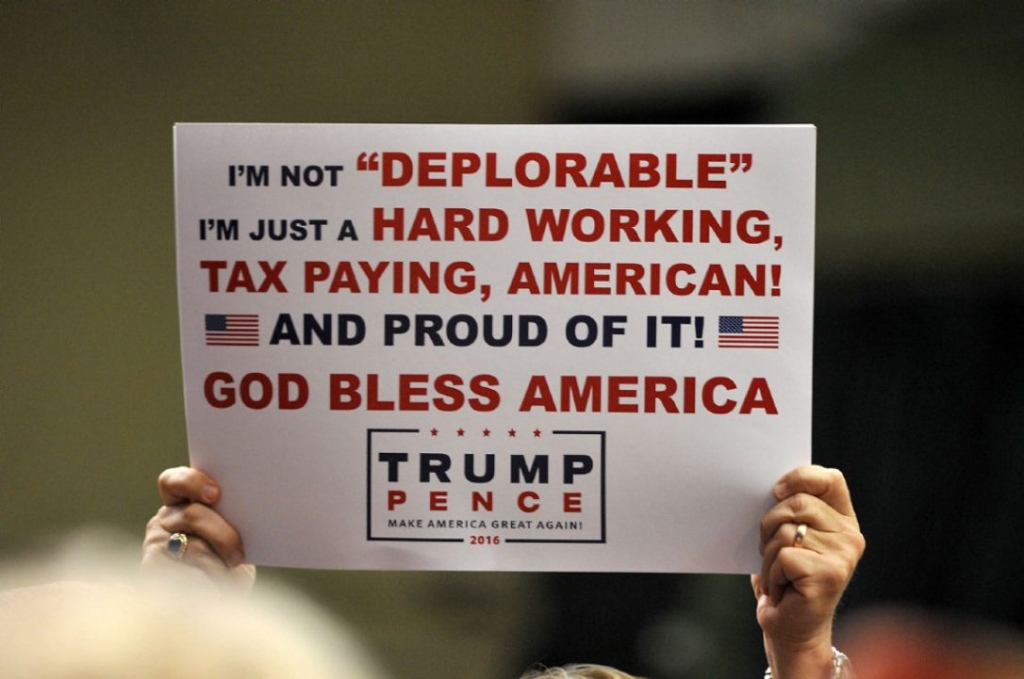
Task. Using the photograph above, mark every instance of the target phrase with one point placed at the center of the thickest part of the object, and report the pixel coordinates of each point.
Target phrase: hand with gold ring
(188, 530)
(810, 544)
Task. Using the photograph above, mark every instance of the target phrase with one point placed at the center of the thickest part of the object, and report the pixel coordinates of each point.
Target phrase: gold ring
(177, 545)
(801, 533)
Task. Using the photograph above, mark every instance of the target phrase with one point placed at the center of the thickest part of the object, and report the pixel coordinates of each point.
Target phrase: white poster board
(565, 348)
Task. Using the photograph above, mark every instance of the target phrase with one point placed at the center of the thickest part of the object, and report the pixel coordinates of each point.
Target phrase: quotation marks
(368, 162)
(740, 162)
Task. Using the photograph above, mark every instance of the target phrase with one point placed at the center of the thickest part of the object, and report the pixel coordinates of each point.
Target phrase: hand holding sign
(798, 587)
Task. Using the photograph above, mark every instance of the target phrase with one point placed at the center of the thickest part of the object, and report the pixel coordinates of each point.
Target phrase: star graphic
(512, 433)
(433, 432)
(536, 433)
(487, 432)
(460, 431)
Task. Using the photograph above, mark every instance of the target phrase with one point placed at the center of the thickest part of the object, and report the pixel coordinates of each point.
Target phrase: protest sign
(497, 347)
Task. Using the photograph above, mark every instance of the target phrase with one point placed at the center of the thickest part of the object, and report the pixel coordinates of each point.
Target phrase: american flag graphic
(232, 330)
(748, 332)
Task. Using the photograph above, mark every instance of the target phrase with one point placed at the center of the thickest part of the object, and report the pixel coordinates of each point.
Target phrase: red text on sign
(563, 170)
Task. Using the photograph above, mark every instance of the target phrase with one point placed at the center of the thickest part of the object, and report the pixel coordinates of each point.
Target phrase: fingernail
(781, 490)
(209, 493)
(236, 559)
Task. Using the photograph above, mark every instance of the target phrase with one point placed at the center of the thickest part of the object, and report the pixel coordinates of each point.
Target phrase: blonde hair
(578, 672)
(118, 629)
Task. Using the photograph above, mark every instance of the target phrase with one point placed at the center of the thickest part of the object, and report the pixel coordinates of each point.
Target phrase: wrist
(811, 665)
(807, 659)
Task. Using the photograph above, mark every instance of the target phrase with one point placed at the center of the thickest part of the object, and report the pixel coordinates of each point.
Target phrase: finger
(185, 484)
(198, 552)
(844, 545)
(755, 584)
(811, 539)
(199, 565)
(834, 565)
(816, 577)
(784, 537)
(827, 484)
(791, 566)
(200, 522)
(803, 508)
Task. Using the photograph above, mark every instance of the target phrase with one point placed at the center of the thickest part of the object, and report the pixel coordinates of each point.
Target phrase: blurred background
(919, 377)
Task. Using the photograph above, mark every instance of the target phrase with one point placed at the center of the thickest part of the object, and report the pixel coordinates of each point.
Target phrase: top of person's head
(73, 629)
(578, 672)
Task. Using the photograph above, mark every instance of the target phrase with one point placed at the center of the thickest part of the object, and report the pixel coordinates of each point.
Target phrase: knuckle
(192, 514)
(159, 521)
(835, 577)
(859, 544)
(798, 504)
(154, 523)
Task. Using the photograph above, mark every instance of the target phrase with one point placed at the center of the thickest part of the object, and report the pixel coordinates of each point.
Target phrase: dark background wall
(919, 391)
